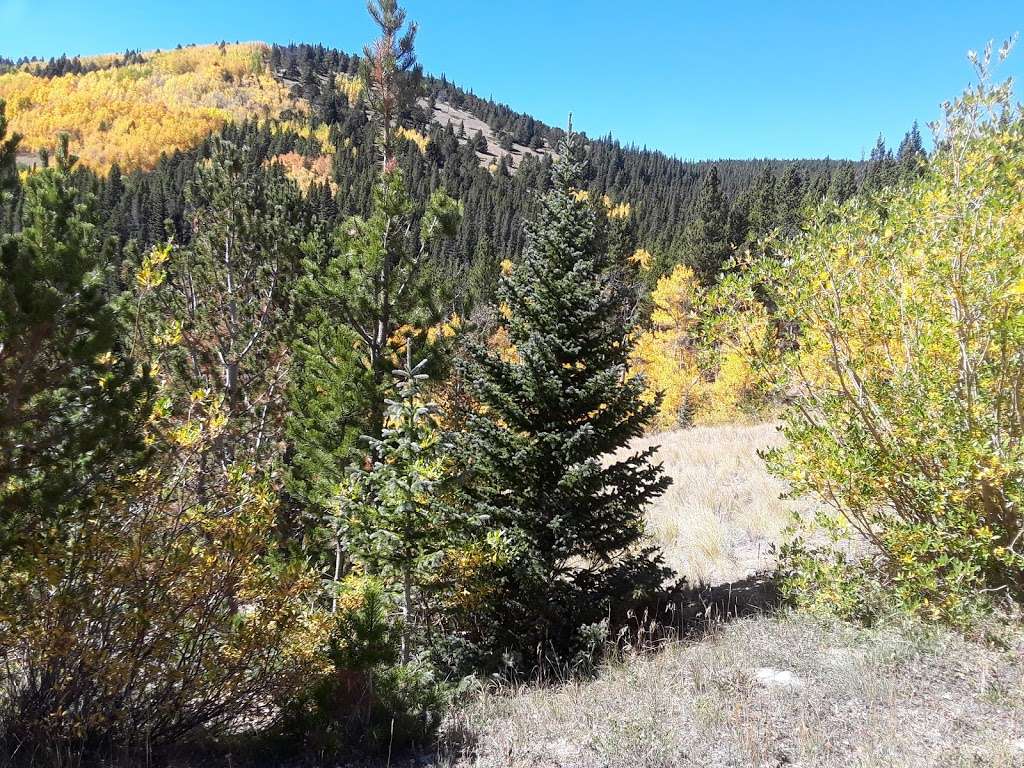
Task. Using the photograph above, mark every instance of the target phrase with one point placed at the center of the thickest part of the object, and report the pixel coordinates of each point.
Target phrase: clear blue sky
(696, 79)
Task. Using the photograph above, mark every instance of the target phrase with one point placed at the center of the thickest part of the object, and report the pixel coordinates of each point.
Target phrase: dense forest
(316, 413)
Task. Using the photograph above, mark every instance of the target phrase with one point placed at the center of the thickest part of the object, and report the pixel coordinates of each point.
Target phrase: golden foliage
(350, 85)
(175, 579)
(667, 353)
(131, 114)
(306, 170)
(642, 258)
(617, 210)
(321, 133)
(415, 137)
(705, 370)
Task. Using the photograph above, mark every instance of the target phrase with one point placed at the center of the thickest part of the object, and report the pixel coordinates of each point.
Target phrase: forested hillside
(142, 122)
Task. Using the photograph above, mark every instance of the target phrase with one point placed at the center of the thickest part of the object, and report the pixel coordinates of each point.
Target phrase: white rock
(777, 678)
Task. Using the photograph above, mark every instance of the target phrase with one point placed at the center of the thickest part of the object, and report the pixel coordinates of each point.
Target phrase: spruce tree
(910, 158)
(789, 198)
(707, 238)
(396, 526)
(763, 209)
(881, 170)
(484, 273)
(555, 408)
(843, 184)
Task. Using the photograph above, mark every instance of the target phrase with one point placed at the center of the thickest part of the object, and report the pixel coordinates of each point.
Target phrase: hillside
(127, 112)
(130, 111)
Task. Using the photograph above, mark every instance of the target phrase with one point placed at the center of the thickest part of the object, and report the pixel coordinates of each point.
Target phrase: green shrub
(364, 699)
(907, 418)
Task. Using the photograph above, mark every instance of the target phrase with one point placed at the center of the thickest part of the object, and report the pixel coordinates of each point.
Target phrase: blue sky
(695, 79)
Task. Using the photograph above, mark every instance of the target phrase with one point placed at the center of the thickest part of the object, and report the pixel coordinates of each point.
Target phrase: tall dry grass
(724, 511)
(896, 696)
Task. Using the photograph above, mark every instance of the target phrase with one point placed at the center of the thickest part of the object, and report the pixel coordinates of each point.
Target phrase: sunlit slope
(130, 114)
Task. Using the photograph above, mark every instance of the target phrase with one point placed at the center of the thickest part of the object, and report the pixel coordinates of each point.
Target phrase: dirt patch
(445, 114)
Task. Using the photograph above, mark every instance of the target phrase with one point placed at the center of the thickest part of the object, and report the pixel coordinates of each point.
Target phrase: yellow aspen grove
(131, 114)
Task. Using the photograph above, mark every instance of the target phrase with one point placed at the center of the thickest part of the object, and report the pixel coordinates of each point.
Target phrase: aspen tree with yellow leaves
(131, 114)
(907, 419)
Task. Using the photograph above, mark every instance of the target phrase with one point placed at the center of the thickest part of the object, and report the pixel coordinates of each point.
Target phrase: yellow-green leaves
(908, 365)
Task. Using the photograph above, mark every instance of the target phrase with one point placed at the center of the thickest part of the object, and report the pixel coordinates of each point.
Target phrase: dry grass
(894, 698)
(897, 696)
(718, 520)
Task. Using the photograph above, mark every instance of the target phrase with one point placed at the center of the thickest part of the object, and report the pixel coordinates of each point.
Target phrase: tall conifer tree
(71, 403)
(707, 238)
(555, 410)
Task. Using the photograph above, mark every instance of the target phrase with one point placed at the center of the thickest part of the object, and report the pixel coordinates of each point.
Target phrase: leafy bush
(908, 421)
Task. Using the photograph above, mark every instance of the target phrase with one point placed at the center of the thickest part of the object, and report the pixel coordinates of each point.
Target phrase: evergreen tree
(371, 275)
(553, 410)
(843, 185)
(484, 273)
(911, 157)
(763, 206)
(395, 525)
(329, 395)
(789, 197)
(224, 299)
(881, 170)
(72, 406)
(706, 244)
(8, 167)
(391, 77)
(480, 143)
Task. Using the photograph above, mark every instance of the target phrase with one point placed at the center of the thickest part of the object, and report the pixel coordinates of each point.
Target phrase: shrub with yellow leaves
(158, 614)
(908, 419)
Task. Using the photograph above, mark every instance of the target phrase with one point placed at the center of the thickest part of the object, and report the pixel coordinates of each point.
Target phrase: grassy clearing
(718, 520)
(895, 696)
(898, 696)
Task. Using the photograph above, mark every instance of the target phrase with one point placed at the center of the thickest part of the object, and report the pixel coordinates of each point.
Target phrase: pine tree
(71, 404)
(225, 300)
(330, 393)
(391, 77)
(707, 238)
(554, 408)
(8, 166)
(395, 525)
(371, 274)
